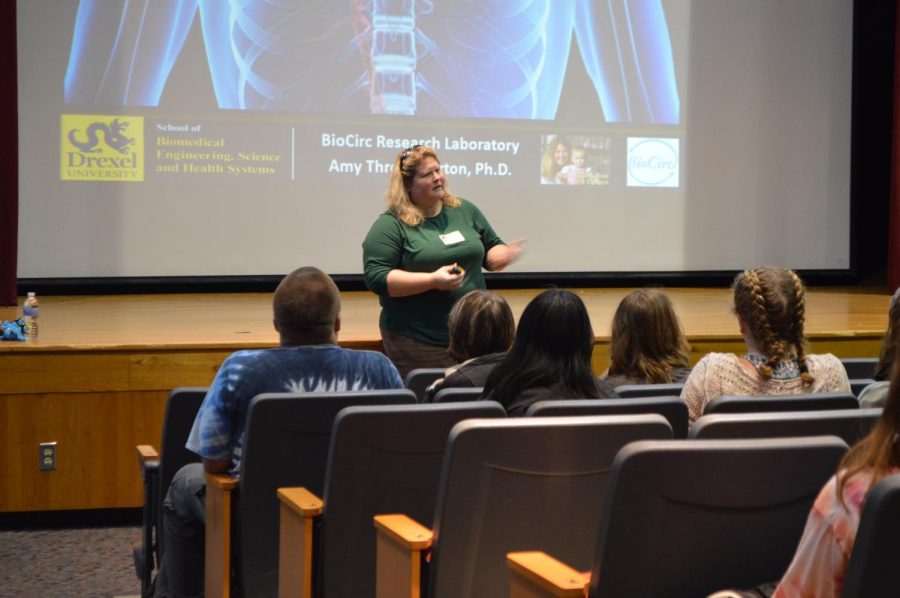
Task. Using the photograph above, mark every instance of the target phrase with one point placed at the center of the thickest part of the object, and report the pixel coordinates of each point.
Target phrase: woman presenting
(421, 255)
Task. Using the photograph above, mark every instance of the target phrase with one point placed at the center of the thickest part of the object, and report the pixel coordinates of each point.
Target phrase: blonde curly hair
(406, 164)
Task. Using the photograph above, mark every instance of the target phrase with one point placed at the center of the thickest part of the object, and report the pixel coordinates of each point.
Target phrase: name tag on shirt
(452, 238)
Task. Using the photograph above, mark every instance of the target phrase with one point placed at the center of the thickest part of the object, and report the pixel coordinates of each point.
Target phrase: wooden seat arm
(538, 575)
(220, 481)
(217, 576)
(148, 463)
(148, 459)
(404, 531)
(146, 452)
(300, 509)
(301, 501)
(400, 548)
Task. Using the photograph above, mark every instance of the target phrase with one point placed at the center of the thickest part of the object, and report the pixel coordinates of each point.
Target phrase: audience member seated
(482, 328)
(770, 305)
(647, 344)
(306, 310)
(550, 358)
(820, 563)
(875, 395)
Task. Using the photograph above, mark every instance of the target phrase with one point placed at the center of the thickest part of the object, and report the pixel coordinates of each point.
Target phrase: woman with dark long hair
(550, 358)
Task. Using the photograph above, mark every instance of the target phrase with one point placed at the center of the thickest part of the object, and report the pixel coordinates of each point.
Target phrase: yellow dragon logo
(113, 135)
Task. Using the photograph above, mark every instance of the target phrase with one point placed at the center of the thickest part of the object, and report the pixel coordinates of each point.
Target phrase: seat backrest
(382, 460)
(631, 391)
(800, 402)
(850, 425)
(531, 483)
(285, 444)
(860, 367)
(857, 384)
(455, 395)
(672, 408)
(871, 570)
(181, 410)
(689, 517)
(419, 379)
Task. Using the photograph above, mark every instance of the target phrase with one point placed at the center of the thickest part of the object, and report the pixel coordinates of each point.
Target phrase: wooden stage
(96, 380)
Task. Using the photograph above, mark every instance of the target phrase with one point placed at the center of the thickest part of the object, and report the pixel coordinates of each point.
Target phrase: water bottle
(30, 310)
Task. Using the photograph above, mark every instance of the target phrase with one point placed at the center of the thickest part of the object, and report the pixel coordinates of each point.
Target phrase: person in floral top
(820, 563)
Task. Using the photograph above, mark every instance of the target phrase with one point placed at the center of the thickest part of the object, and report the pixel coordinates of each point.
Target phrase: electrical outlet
(47, 456)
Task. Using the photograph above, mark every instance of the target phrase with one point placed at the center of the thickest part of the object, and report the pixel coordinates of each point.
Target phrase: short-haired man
(306, 310)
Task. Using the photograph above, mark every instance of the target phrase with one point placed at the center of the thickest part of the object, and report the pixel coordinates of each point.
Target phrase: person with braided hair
(770, 306)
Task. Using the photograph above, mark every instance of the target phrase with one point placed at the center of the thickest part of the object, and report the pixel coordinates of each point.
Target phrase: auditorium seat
(285, 444)
(455, 395)
(672, 408)
(690, 517)
(157, 470)
(536, 482)
(799, 402)
(418, 380)
(382, 460)
(630, 391)
(872, 569)
(857, 384)
(860, 367)
(850, 425)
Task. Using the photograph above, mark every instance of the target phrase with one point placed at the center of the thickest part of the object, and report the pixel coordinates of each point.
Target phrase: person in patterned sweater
(770, 304)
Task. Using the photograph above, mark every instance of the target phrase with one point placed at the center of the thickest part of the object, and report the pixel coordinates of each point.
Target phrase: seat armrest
(146, 452)
(301, 501)
(217, 577)
(147, 553)
(538, 575)
(220, 481)
(400, 548)
(404, 531)
(148, 459)
(300, 510)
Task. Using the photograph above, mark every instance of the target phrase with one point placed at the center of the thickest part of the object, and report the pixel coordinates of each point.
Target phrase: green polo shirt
(392, 245)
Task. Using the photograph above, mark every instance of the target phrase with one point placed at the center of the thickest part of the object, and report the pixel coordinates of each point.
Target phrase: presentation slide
(169, 138)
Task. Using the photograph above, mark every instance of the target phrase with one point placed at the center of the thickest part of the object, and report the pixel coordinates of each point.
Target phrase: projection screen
(166, 138)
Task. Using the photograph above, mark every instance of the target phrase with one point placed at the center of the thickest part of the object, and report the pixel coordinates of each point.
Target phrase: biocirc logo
(652, 162)
(101, 148)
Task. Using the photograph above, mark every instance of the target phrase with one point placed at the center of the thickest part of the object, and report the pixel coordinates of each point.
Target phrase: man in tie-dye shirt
(306, 309)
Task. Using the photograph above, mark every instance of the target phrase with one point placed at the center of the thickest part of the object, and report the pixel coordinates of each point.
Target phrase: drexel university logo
(101, 148)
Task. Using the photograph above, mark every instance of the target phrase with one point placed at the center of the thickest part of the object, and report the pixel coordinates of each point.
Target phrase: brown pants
(409, 354)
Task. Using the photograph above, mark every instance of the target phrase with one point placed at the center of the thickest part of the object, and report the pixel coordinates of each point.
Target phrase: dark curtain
(9, 166)
(894, 238)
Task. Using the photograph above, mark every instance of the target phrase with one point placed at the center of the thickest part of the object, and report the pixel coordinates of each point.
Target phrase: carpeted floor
(87, 562)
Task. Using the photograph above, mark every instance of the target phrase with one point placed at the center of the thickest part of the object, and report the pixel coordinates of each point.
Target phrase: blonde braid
(779, 352)
(762, 329)
(799, 318)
